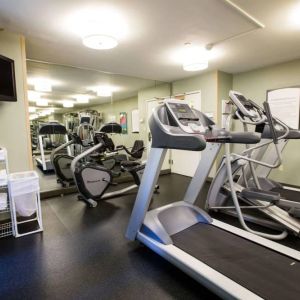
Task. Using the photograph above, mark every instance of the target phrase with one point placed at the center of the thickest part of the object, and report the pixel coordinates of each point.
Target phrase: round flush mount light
(42, 85)
(33, 96)
(195, 59)
(104, 91)
(68, 103)
(100, 28)
(99, 42)
(82, 98)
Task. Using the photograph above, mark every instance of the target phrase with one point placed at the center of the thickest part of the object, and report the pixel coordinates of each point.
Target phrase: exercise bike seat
(254, 193)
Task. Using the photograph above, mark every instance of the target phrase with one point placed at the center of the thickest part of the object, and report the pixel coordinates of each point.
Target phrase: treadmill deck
(269, 274)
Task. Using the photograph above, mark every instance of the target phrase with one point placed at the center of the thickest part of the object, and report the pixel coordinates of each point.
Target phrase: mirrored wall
(65, 100)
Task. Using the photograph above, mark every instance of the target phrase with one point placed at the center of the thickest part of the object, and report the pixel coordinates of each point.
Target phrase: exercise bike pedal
(92, 203)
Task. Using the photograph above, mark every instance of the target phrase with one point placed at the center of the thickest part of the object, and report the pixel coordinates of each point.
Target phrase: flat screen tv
(7, 79)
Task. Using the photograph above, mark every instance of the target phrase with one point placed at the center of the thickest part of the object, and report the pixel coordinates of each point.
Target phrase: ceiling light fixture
(294, 18)
(68, 103)
(105, 91)
(99, 28)
(195, 59)
(33, 96)
(42, 85)
(42, 102)
(82, 98)
(99, 42)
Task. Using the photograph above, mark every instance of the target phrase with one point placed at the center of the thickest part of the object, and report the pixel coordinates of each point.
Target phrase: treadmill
(233, 263)
(48, 129)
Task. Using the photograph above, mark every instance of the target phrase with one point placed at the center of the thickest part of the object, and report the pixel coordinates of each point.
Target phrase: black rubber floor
(83, 254)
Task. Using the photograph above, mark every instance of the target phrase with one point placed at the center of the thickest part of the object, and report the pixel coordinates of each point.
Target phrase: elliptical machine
(225, 193)
(93, 180)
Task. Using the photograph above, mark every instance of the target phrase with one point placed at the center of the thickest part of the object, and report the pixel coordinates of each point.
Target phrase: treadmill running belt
(261, 270)
(288, 194)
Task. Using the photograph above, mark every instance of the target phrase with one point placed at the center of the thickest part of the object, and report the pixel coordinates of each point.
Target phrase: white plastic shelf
(24, 195)
(5, 212)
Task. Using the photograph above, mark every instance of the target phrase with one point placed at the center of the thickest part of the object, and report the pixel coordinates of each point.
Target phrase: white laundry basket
(24, 193)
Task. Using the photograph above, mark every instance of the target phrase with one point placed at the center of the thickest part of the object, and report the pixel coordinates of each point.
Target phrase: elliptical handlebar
(247, 111)
(271, 122)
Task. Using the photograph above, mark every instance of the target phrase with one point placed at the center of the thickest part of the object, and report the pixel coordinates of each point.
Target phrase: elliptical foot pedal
(294, 212)
(257, 194)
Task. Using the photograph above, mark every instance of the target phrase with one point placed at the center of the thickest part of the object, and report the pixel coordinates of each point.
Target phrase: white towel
(3, 177)
(3, 201)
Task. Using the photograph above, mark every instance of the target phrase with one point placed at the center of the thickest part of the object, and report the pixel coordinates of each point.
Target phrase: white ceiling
(157, 29)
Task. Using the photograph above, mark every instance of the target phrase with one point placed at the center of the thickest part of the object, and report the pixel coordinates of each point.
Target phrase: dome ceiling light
(105, 91)
(195, 58)
(99, 28)
(68, 103)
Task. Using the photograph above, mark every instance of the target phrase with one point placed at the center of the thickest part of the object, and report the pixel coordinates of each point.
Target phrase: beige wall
(214, 86)
(254, 85)
(14, 133)
(207, 84)
(224, 85)
(159, 91)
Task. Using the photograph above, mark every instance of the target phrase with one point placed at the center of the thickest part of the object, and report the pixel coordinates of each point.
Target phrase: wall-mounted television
(7, 79)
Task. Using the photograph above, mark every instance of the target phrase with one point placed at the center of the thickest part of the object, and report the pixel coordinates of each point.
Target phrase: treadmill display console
(184, 116)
